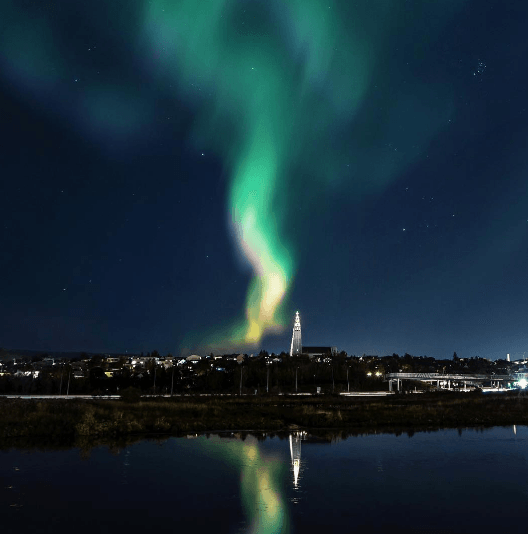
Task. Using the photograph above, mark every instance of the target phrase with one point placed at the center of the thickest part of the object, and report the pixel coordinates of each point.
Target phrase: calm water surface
(444, 481)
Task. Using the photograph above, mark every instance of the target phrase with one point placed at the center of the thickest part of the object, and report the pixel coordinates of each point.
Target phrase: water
(444, 481)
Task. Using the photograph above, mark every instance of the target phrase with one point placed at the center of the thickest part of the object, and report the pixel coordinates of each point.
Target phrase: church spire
(296, 343)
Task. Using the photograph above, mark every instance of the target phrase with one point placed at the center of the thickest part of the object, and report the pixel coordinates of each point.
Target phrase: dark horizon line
(126, 353)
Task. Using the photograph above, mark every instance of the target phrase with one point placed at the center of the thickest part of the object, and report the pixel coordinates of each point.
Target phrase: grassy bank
(70, 420)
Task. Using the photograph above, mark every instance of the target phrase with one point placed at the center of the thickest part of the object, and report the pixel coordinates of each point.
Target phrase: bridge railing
(445, 376)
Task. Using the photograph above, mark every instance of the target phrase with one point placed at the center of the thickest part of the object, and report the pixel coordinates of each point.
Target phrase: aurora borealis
(245, 55)
(280, 75)
(184, 175)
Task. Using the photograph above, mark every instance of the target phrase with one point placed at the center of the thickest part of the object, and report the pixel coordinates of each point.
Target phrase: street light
(68, 388)
(296, 369)
(62, 370)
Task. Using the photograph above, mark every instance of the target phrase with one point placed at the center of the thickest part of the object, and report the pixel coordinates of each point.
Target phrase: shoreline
(68, 421)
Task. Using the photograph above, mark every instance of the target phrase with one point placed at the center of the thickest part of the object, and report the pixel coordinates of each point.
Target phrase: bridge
(450, 380)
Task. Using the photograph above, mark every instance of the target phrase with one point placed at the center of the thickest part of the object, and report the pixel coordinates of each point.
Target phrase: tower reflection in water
(295, 452)
(261, 479)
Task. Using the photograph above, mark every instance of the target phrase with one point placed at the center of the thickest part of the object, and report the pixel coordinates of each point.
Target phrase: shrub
(131, 395)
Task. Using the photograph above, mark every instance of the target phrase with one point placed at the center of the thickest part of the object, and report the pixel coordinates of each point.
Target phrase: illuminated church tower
(296, 344)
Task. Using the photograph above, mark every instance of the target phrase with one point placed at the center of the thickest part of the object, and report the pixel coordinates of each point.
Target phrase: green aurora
(275, 83)
(296, 98)
(266, 66)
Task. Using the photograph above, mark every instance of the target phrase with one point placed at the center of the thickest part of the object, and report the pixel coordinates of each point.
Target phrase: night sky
(184, 175)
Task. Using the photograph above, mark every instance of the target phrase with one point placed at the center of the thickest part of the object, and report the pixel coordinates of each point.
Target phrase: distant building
(296, 343)
(297, 348)
(319, 351)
